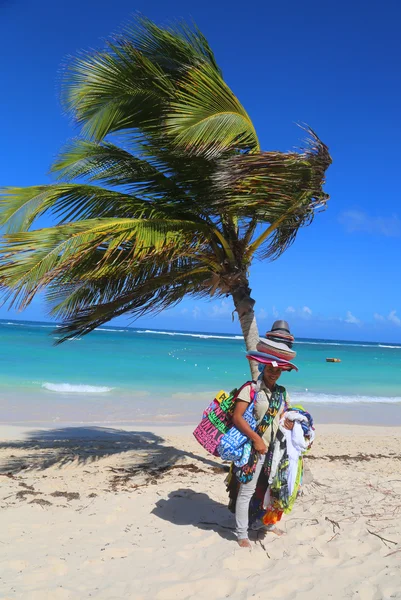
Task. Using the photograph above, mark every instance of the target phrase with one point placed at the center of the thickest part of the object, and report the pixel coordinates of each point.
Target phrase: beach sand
(112, 512)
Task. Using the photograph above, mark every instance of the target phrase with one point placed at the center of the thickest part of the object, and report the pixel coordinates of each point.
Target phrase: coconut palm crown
(166, 192)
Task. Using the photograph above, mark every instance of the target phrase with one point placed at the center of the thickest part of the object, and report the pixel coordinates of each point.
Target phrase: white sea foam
(14, 323)
(196, 335)
(306, 397)
(76, 388)
(335, 344)
(388, 346)
(104, 329)
(346, 344)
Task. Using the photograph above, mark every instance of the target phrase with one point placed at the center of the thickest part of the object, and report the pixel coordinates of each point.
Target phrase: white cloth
(293, 415)
(295, 444)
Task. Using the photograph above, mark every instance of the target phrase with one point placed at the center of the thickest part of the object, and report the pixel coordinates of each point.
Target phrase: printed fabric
(245, 472)
(216, 420)
(235, 445)
(287, 463)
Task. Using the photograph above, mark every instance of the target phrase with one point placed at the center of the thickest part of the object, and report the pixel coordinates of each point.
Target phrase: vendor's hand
(288, 424)
(260, 446)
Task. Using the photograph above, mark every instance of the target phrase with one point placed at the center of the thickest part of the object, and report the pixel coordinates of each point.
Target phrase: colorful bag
(245, 472)
(232, 444)
(217, 420)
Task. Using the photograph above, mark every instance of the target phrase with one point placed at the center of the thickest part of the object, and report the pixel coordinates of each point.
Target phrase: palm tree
(166, 193)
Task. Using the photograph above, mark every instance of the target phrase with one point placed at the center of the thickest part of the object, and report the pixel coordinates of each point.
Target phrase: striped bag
(217, 420)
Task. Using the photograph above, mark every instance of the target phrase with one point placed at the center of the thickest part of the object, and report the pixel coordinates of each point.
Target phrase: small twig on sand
(393, 552)
(264, 547)
(382, 538)
(312, 521)
(218, 525)
(334, 523)
(318, 553)
(332, 538)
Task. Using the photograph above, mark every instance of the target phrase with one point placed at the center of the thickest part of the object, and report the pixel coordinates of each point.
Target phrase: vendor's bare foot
(276, 530)
(244, 543)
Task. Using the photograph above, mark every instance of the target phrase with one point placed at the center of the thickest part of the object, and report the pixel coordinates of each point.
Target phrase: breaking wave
(71, 388)
(195, 335)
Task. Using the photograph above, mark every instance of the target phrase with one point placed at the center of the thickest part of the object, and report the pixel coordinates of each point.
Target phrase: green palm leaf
(207, 118)
(165, 193)
(20, 207)
(112, 166)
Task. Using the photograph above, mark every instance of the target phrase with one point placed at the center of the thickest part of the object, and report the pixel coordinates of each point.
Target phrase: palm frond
(110, 165)
(128, 85)
(35, 258)
(284, 190)
(171, 48)
(114, 90)
(154, 288)
(207, 118)
(19, 207)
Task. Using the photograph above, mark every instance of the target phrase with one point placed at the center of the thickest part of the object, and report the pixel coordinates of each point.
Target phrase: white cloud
(275, 312)
(393, 318)
(304, 313)
(350, 318)
(378, 317)
(222, 309)
(196, 312)
(262, 314)
(355, 220)
(184, 311)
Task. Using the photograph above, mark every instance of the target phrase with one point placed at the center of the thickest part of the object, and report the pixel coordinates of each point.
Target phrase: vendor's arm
(245, 428)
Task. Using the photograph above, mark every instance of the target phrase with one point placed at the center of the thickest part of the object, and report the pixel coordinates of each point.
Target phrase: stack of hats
(276, 347)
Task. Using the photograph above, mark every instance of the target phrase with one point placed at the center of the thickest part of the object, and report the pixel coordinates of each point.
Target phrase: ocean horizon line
(201, 333)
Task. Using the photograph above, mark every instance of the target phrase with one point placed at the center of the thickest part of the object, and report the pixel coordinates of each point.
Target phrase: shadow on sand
(141, 450)
(41, 449)
(187, 507)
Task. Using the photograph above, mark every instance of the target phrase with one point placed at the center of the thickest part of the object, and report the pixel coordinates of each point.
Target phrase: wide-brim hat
(278, 341)
(266, 359)
(278, 349)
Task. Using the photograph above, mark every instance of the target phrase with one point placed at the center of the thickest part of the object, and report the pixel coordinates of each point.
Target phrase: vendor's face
(271, 375)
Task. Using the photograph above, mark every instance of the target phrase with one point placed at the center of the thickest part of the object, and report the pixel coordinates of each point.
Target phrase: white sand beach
(111, 513)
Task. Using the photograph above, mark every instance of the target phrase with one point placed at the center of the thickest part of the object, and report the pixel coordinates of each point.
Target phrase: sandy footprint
(243, 560)
(94, 565)
(359, 548)
(184, 554)
(207, 541)
(114, 552)
(197, 590)
(392, 592)
(367, 591)
(54, 594)
(292, 587)
(16, 565)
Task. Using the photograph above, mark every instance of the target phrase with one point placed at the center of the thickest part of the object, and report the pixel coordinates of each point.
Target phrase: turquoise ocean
(120, 374)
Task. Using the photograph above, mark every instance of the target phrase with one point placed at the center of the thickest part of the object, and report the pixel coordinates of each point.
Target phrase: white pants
(245, 494)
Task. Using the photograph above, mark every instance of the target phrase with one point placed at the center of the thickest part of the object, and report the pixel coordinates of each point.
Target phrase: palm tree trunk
(244, 306)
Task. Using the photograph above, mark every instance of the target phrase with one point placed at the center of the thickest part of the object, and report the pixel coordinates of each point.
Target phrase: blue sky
(335, 66)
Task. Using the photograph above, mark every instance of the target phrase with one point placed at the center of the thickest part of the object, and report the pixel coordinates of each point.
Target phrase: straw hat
(276, 347)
